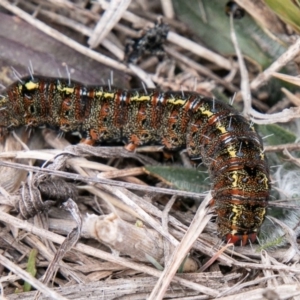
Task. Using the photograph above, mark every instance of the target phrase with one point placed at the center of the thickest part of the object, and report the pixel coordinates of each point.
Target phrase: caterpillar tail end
(241, 239)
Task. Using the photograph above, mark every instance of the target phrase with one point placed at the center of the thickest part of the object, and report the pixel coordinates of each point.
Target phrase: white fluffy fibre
(287, 183)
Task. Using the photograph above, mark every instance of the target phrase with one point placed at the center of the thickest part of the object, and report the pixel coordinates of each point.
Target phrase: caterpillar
(227, 143)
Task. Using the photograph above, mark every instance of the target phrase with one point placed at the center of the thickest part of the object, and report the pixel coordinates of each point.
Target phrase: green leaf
(276, 134)
(31, 269)
(288, 11)
(191, 180)
(211, 24)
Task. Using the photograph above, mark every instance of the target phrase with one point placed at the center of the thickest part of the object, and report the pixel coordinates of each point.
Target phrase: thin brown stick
(281, 61)
(280, 148)
(99, 180)
(198, 224)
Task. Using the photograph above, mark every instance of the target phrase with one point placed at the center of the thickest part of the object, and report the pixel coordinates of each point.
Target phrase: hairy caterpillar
(208, 128)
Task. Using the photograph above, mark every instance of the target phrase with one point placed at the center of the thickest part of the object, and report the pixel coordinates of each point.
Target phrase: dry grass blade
(108, 20)
(287, 78)
(280, 292)
(142, 75)
(199, 222)
(62, 38)
(97, 253)
(214, 258)
(263, 14)
(199, 50)
(28, 278)
(122, 194)
(245, 87)
(167, 8)
(69, 242)
(99, 180)
(291, 157)
(279, 148)
(291, 97)
(282, 61)
(132, 233)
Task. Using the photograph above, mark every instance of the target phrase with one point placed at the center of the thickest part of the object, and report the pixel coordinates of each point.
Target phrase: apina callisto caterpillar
(227, 143)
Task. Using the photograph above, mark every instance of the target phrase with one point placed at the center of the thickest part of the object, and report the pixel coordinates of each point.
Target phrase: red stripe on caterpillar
(227, 143)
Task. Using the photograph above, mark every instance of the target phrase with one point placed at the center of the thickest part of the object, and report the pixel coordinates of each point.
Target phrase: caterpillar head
(239, 223)
(241, 197)
(241, 239)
